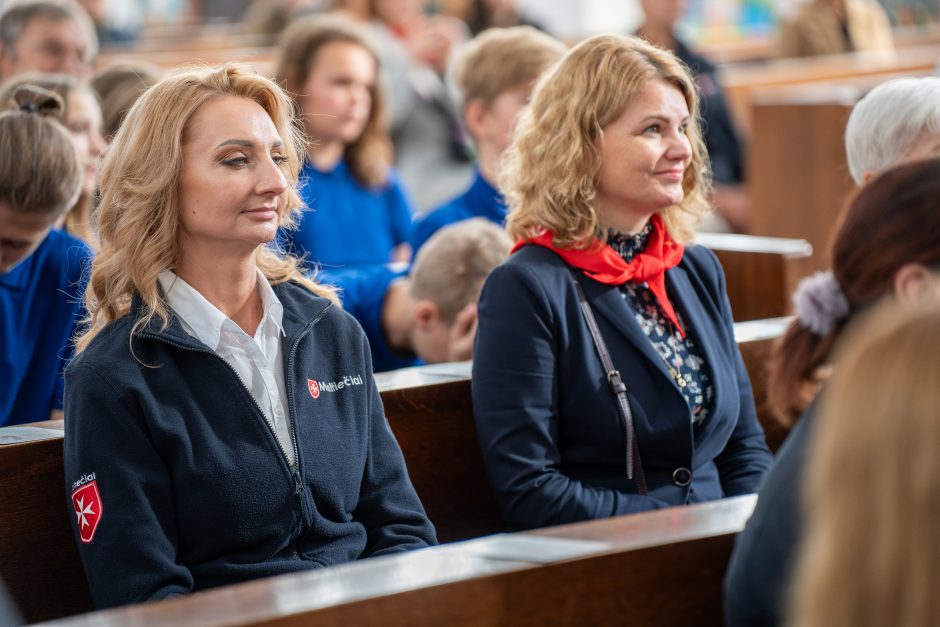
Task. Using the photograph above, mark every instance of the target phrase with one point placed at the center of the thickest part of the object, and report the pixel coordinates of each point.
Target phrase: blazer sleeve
(388, 507)
(131, 557)
(516, 408)
(745, 459)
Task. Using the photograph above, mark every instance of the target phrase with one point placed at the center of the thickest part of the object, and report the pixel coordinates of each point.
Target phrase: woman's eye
(652, 128)
(236, 161)
(279, 159)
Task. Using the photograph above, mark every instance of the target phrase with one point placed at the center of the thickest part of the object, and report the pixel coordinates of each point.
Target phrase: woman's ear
(914, 282)
(426, 314)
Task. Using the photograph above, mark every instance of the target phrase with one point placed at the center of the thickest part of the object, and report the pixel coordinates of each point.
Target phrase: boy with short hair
(428, 313)
(494, 74)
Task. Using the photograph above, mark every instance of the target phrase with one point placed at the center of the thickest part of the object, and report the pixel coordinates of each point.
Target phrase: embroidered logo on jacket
(86, 501)
(316, 387)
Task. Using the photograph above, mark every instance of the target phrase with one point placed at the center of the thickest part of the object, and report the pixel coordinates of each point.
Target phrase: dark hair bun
(32, 99)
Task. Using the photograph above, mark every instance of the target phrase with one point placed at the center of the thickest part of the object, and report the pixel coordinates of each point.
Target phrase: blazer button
(682, 477)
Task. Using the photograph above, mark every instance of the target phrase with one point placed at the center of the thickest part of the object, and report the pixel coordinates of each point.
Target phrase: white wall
(575, 18)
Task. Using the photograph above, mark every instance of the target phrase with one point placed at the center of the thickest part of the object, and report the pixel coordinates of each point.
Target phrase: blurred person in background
(729, 194)
(823, 27)
(431, 151)
(53, 36)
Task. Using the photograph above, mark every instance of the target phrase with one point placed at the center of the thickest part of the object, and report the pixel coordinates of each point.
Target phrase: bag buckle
(615, 382)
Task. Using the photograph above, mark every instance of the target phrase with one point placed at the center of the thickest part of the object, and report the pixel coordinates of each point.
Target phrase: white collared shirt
(257, 360)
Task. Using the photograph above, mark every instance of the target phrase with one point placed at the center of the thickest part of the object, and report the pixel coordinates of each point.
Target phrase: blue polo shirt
(362, 291)
(482, 200)
(347, 224)
(40, 303)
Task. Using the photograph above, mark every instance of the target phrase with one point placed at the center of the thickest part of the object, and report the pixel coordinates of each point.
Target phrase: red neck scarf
(602, 263)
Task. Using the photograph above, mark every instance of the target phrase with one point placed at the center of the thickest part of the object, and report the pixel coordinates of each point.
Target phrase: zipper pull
(298, 484)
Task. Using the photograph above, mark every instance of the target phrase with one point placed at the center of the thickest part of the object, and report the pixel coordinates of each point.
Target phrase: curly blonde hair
(549, 173)
(138, 216)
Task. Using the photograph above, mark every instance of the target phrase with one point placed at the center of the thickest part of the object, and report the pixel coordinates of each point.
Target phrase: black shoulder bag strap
(615, 381)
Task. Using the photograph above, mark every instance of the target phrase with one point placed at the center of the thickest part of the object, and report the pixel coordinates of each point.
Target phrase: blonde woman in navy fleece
(605, 179)
(214, 378)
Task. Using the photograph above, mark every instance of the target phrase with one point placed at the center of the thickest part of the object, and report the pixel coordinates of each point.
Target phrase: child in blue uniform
(41, 268)
(428, 313)
(223, 421)
(494, 74)
(357, 211)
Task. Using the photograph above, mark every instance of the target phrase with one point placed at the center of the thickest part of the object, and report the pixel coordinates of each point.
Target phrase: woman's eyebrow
(245, 143)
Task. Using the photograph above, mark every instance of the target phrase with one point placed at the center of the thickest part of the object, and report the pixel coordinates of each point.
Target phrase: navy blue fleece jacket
(177, 483)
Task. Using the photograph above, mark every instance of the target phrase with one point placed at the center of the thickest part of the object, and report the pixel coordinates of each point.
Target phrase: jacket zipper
(295, 472)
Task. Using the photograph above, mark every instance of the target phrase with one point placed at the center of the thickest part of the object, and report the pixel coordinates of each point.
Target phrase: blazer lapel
(700, 325)
(607, 301)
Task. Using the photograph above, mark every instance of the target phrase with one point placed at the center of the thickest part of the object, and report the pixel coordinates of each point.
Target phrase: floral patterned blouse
(681, 355)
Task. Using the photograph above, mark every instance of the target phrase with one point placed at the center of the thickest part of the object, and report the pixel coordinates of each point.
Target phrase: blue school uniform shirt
(40, 303)
(347, 224)
(362, 291)
(481, 200)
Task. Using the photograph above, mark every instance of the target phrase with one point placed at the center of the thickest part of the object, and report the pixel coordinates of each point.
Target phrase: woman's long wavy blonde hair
(870, 556)
(138, 216)
(549, 173)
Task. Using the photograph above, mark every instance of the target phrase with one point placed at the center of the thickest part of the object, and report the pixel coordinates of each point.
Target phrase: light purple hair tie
(820, 303)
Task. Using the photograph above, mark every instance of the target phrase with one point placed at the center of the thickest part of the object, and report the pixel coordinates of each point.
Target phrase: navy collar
(483, 196)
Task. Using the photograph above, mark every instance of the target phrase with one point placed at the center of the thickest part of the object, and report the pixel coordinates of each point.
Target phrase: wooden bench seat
(761, 272)
(429, 410)
(619, 571)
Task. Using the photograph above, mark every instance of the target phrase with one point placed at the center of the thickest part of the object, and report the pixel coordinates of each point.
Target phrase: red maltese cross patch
(86, 502)
(314, 388)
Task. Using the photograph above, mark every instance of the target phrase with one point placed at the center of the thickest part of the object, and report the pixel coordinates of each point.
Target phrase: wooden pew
(798, 169)
(429, 410)
(660, 568)
(741, 81)
(761, 272)
(756, 339)
(261, 58)
(39, 562)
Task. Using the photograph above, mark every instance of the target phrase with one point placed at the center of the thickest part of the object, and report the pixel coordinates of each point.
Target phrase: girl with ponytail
(41, 267)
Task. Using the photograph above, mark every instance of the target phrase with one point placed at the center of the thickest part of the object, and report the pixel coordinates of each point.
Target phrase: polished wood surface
(429, 410)
(39, 562)
(742, 81)
(761, 272)
(434, 427)
(756, 339)
(660, 568)
(799, 173)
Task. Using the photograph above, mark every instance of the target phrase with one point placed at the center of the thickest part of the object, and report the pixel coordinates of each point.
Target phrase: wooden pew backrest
(761, 272)
(39, 562)
(661, 568)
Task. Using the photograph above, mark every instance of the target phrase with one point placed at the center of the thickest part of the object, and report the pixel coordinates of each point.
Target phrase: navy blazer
(548, 423)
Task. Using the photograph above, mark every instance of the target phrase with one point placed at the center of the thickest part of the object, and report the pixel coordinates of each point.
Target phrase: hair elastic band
(820, 303)
(29, 107)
